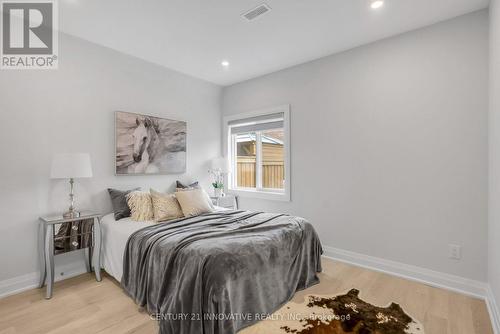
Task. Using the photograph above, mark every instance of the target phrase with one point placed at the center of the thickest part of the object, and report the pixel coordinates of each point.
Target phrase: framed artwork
(149, 145)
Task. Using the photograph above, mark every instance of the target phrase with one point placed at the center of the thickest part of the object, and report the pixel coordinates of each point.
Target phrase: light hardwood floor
(82, 305)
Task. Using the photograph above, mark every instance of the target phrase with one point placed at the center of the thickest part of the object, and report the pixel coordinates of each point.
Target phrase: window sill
(261, 194)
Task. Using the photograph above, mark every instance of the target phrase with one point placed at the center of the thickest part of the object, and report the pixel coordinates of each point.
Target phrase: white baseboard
(30, 281)
(493, 310)
(426, 276)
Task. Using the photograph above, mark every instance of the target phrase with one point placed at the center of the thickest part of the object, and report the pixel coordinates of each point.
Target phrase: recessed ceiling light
(225, 63)
(376, 4)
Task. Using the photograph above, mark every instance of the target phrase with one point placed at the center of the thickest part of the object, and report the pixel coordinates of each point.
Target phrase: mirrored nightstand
(227, 201)
(58, 235)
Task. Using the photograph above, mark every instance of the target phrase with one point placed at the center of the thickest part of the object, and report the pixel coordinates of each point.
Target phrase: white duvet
(115, 235)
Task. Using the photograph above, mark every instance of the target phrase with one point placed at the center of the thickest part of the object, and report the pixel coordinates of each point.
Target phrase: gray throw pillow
(119, 202)
(183, 186)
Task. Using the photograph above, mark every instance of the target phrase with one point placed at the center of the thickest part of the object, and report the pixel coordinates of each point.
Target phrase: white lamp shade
(220, 164)
(71, 165)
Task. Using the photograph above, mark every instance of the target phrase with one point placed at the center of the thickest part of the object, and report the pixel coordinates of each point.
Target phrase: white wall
(72, 110)
(389, 145)
(494, 137)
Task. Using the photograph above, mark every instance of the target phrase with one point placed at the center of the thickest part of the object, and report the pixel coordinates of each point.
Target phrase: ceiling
(194, 36)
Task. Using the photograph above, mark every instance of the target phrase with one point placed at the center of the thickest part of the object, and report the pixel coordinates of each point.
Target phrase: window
(258, 151)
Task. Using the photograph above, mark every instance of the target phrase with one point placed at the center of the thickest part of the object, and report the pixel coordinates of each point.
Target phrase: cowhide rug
(353, 315)
(343, 314)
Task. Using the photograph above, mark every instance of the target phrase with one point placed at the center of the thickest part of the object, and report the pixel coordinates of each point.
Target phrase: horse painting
(149, 145)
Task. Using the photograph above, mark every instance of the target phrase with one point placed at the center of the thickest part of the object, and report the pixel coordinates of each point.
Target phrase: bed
(213, 273)
(115, 235)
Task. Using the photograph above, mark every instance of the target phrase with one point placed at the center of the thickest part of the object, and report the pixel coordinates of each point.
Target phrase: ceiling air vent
(254, 13)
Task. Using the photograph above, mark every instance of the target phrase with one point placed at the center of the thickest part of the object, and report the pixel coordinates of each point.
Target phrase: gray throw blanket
(220, 272)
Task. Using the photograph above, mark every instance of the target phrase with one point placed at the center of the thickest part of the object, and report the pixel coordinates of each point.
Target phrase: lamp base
(71, 214)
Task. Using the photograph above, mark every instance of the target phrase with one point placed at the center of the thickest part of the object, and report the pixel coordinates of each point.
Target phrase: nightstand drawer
(72, 236)
(228, 202)
(71, 243)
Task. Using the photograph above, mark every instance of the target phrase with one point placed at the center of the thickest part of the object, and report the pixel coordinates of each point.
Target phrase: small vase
(218, 192)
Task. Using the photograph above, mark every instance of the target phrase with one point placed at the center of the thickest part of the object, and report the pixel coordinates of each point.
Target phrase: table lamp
(71, 166)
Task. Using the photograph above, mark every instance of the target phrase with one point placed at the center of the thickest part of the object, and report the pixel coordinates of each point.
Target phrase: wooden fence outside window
(273, 173)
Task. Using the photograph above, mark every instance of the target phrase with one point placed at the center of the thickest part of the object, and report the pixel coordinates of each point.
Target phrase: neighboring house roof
(247, 137)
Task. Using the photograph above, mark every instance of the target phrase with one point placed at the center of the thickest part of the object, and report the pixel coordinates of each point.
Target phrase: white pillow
(141, 207)
(193, 202)
(200, 188)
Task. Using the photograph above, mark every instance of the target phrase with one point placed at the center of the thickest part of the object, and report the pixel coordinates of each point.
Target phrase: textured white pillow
(165, 206)
(193, 202)
(141, 206)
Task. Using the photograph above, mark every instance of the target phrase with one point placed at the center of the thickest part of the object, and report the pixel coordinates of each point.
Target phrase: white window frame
(229, 148)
